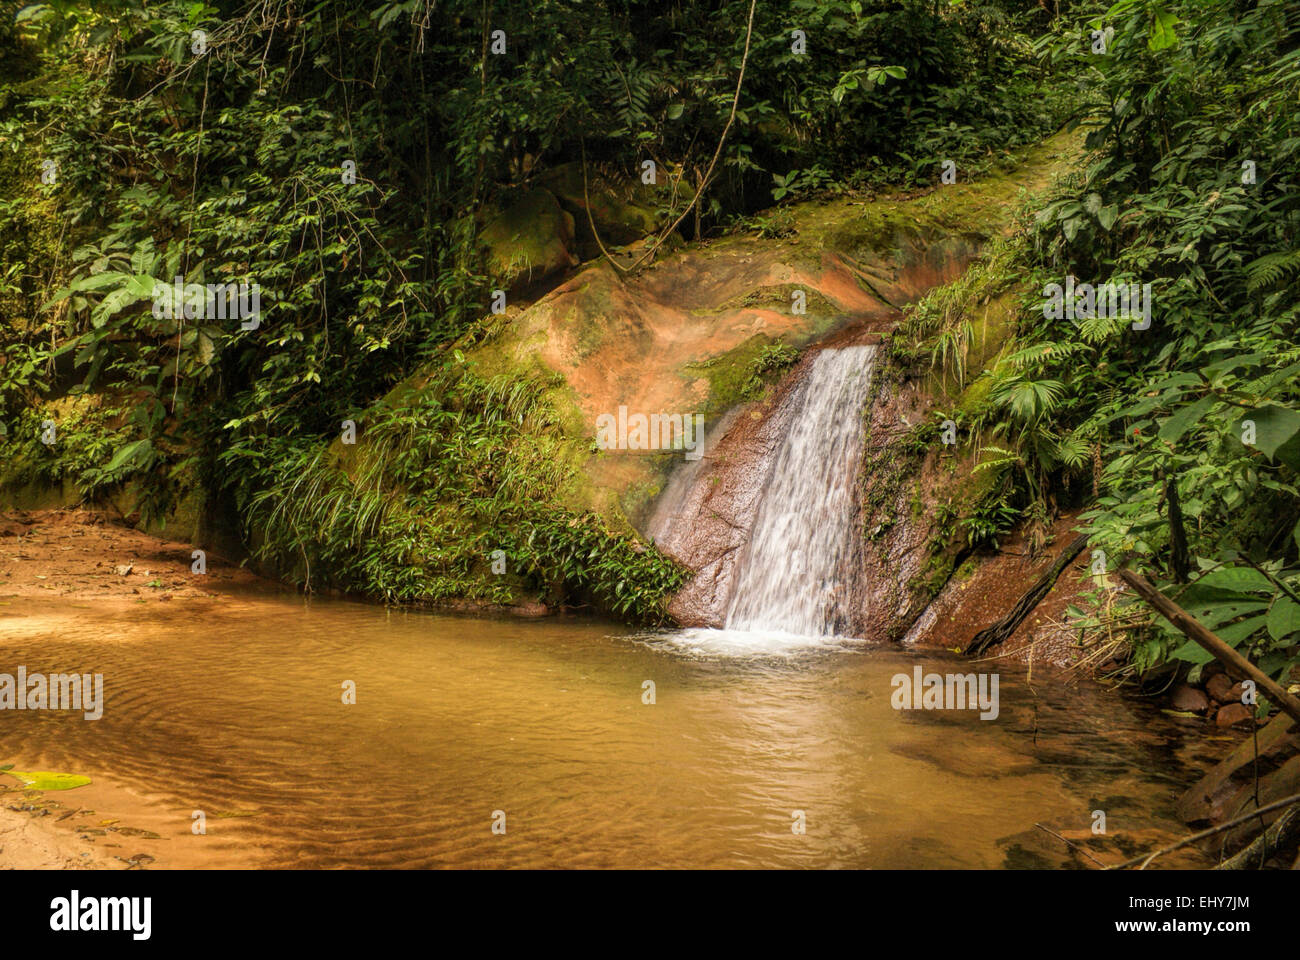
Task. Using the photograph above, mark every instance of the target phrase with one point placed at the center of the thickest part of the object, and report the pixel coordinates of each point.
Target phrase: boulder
(1218, 686)
(530, 240)
(623, 213)
(1233, 714)
(1189, 699)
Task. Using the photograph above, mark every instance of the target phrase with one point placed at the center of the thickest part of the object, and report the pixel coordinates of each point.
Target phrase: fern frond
(1272, 268)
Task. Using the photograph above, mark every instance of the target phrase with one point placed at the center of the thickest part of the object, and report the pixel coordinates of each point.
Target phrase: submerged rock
(1234, 713)
(1189, 699)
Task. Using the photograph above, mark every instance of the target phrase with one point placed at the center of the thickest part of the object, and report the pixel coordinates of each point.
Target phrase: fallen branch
(1025, 605)
(1071, 844)
(1237, 665)
(1205, 834)
(1281, 834)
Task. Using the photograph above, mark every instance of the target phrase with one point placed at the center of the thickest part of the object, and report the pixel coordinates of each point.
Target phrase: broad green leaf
(1162, 31)
(1275, 425)
(99, 281)
(1283, 619)
(142, 286)
(143, 259)
(128, 453)
(1212, 615)
(1234, 633)
(111, 305)
(1237, 579)
(46, 780)
(1184, 418)
(1192, 652)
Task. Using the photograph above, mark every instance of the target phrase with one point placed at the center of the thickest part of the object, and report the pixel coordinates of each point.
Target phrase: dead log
(1003, 629)
(1144, 860)
(1281, 835)
(1236, 664)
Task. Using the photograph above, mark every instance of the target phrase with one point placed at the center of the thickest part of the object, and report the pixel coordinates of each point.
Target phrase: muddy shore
(80, 555)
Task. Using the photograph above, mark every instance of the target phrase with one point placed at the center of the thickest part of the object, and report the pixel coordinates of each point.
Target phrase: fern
(1271, 269)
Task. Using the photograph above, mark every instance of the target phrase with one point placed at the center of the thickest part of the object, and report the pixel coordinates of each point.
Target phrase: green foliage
(1187, 97)
(800, 183)
(226, 167)
(774, 225)
(439, 481)
(772, 359)
(88, 449)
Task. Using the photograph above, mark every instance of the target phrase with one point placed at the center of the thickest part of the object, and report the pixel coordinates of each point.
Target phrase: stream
(233, 706)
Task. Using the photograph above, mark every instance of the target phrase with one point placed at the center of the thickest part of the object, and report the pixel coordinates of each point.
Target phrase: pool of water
(234, 706)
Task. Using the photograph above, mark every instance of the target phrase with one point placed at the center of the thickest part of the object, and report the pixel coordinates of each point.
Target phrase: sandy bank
(83, 555)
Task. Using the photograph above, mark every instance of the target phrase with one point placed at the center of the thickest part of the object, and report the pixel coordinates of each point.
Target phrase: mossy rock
(530, 240)
(622, 213)
(731, 376)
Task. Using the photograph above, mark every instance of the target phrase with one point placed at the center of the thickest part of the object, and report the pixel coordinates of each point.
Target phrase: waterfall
(796, 570)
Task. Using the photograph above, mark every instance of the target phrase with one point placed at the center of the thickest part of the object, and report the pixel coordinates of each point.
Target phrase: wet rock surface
(704, 521)
(1188, 698)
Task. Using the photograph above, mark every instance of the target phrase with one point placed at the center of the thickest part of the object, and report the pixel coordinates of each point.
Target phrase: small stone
(123, 569)
(1233, 714)
(1189, 699)
(1220, 687)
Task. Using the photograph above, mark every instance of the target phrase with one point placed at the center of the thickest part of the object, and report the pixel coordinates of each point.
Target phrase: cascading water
(796, 572)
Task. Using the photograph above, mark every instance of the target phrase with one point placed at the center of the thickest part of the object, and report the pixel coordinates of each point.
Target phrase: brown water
(234, 706)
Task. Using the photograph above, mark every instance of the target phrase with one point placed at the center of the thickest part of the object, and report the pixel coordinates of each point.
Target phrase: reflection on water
(236, 705)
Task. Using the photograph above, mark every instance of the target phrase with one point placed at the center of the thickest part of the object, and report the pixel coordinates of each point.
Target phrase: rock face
(872, 262)
(682, 337)
(705, 515)
(979, 594)
(687, 336)
(895, 533)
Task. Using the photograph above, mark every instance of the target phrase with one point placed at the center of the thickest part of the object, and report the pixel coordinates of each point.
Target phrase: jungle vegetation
(1181, 442)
